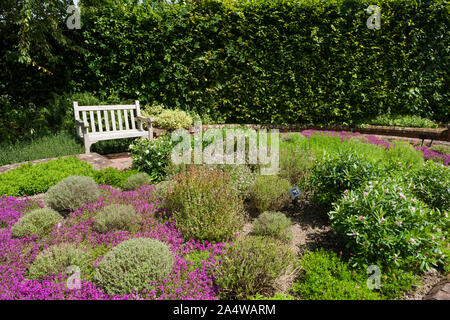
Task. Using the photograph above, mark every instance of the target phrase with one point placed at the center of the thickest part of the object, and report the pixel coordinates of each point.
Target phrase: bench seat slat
(95, 108)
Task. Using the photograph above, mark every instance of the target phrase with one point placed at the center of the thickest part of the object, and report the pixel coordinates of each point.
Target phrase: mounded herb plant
(71, 193)
(137, 180)
(251, 266)
(273, 224)
(133, 265)
(205, 205)
(116, 217)
(57, 258)
(36, 222)
(270, 192)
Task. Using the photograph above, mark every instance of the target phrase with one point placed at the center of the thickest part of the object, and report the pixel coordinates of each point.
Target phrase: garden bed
(227, 232)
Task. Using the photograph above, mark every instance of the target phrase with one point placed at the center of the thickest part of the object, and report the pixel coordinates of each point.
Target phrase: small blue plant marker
(295, 192)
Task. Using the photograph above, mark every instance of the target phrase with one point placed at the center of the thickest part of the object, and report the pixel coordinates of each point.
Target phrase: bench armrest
(81, 124)
(145, 119)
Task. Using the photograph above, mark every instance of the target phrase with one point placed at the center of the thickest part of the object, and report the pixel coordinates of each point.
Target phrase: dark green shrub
(403, 121)
(431, 184)
(116, 217)
(56, 259)
(273, 224)
(252, 265)
(270, 193)
(205, 205)
(324, 276)
(137, 180)
(133, 265)
(383, 223)
(71, 193)
(36, 222)
(333, 174)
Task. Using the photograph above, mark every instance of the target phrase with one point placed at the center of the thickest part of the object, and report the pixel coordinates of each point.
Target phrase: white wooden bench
(97, 123)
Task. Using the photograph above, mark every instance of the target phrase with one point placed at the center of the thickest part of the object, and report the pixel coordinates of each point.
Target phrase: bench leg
(87, 145)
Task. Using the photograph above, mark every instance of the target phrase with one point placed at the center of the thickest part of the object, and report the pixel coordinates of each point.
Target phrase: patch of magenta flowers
(16, 255)
(372, 139)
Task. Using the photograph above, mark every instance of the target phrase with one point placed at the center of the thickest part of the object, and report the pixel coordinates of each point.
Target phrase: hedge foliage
(273, 61)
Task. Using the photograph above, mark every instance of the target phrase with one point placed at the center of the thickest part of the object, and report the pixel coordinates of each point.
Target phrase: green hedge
(273, 61)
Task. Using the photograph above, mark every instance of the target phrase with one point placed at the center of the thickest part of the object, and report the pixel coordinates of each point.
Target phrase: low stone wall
(442, 134)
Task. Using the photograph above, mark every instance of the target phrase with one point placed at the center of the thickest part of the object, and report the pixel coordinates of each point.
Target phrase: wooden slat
(119, 114)
(99, 120)
(127, 125)
(113, 120)
(85, 118)
(106, 120)
(133, 124)
(95, 108)
(91, 116)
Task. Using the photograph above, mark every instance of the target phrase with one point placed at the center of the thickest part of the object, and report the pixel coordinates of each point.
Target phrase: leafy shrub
(71, 193)
(441, 148)
(56, 259)
(382, 222)
(270, 193)
(276, 296)
(29, 179)
(252, 265)
(133, 265)
(324, 276)
(152, 156)
(295, 164)
(431, 184)
(241, 178)
(335, 173)
(273, 224)
(115, 217)
(135, 181)
(173, 119)
(205, 205)
(36, 222)
(403, 121)
(112, 177)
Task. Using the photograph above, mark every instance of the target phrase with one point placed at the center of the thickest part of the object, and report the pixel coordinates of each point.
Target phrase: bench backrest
(108, 118)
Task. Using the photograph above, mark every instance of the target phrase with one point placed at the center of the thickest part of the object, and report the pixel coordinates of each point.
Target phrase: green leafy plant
(431, 184)
(135, 181)
(324, 276)
(152, 156)
(173, 119)
(112, 177)
(71, 193)
(36, 222)
(252, 265)
(273, 224)
(57, 258)
(333, 174)
(276, 296)
(116, 217)
(133, 265)
(270, 193)
(441, 148)
(384, 223)
(403, 121)
(205, 205)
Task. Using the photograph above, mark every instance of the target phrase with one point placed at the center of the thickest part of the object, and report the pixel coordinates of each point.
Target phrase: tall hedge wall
(275, 61)
(259, 61)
